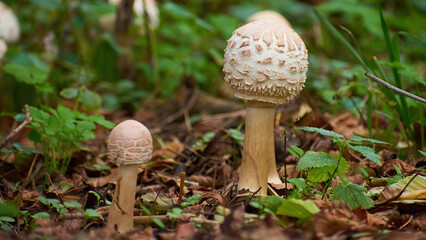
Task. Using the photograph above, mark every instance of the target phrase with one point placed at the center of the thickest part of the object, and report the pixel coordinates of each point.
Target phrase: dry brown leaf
(388, 168)
(347, 125)
(202, 180)
(185, 231)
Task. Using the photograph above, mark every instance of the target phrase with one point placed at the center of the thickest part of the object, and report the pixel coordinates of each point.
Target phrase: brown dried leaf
(388, 169)
(347, 125)
(205, 181)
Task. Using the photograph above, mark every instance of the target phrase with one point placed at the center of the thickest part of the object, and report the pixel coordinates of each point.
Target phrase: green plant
(157, 221)
(202, 143)
(401, 112)
(175, 214)
(323, 167)
(60, 132)
(4, 220)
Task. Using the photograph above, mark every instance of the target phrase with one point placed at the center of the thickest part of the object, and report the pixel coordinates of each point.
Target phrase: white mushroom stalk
(139, 7)
(266, 62)
(3, 49)
(9, 26)
(269, 15)
(129, 144)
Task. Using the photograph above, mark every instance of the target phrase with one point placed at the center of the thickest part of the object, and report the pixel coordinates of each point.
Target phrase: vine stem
(332, 175)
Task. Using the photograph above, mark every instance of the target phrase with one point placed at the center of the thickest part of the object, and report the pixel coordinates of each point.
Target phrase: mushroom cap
(3, 48)
(268, 14)
(266, 61)
(130, 142)
(9, 26)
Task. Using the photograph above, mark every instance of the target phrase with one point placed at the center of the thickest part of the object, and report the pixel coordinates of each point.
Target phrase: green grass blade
(393, 52)
(341, 39)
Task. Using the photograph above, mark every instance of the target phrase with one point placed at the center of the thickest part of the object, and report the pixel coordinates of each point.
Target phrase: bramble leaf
(368, 153)
(315, 159)
(322, 132)
(354, 195)
(363, 139)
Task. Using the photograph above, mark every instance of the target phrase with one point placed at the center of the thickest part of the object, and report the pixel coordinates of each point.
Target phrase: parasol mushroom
(269, 14)
(129, 144)
(3, 49)
(266, 62)
(9, 26)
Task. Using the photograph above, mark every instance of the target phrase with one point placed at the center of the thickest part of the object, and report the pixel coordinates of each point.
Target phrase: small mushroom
(269, 14)
(9, 26)
(266, 62)
(129, 144)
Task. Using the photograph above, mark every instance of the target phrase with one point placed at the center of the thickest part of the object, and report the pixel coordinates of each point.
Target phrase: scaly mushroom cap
(266, 61)
(130, 142)
(9, 26)
(268, 14)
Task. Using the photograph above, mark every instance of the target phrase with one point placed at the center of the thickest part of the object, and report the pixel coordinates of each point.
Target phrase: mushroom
(9, 26)
(129, 144)
(107, 22)
(268, 14)
(3, 49)
(266, 62)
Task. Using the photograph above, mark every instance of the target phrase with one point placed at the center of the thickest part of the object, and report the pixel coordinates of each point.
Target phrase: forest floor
(211, 167)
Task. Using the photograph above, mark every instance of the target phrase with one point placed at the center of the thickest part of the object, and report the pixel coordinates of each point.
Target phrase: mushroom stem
(121, 212)
(258, 163)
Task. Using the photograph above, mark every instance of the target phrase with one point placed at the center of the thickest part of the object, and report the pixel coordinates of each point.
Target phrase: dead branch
(395, 89)
(17, 130)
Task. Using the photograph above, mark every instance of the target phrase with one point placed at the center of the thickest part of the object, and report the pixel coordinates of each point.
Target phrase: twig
(27, 179)
(11, 135)
(395, 89)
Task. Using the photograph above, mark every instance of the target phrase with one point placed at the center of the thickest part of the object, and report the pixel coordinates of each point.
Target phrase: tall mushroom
(3, 49)
(129, 144)
(266, 62)
(9, 26)
(268, 14)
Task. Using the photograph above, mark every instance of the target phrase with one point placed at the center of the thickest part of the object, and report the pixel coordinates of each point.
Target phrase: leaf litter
(209, 151)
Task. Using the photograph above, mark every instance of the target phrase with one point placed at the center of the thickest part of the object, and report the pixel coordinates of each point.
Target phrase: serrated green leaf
(324, 173)
(315, 159)
(322, 132)
(363, 139)
(27, 74)
(298, 182)
(38, 115)
(354, 195)
(297, 208)
(368, 153)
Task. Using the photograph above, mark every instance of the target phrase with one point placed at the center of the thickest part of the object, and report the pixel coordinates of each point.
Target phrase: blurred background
(93, 52)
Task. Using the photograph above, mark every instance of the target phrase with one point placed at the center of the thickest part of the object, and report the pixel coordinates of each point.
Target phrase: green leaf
(69, 93)
(422, 153)
(159, 223)
(322, 132)
(27, 74)
(295, 151)
(91, 213)
(298, 182)
(363, 139)
(193, 199)
(99, 119)
(6, 219)
(73, 204)
(8, 209)
(315, 159)
(368, 153)
(90, 100)
(354, 195)
(236, 135)
(324, 173)
(297, 208)
(41, 215)
(38, 115)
